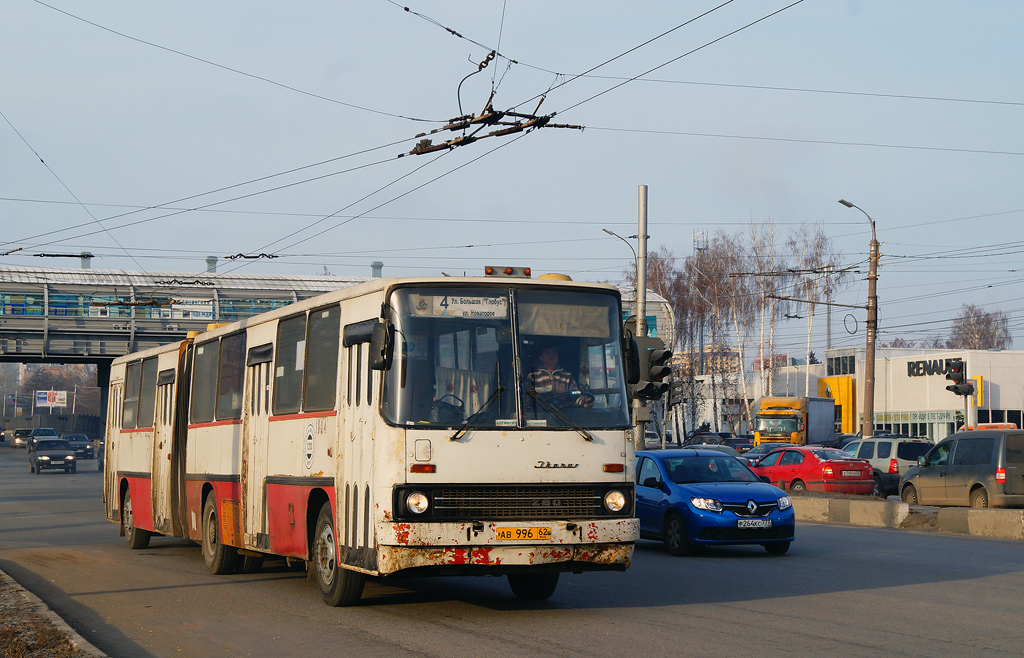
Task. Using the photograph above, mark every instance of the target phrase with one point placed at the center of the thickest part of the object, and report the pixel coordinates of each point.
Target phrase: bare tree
(977, 329)
(900, 342)
(768, 268)
(817, 271)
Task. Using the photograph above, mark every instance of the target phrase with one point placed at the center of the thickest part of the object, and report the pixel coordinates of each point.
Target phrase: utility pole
(641, 414)
(872, 326)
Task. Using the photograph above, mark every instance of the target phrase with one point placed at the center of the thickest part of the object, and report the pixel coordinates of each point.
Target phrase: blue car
(689, 498)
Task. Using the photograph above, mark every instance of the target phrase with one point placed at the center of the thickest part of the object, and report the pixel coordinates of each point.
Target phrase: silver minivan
(976, 468)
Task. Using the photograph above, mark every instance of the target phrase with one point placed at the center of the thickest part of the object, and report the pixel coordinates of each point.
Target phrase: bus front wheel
(338, 586)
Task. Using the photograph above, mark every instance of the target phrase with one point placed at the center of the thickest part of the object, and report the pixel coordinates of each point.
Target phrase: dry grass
(25, 633)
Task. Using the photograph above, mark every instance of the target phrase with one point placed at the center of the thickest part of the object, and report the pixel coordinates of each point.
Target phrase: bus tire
(220, 559)
(135, 537)
(533, 586)
(338, 586)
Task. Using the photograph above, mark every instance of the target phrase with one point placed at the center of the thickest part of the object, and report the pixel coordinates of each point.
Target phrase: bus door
(356, 532)
(255, 432)
(163, 442)
(108, 451)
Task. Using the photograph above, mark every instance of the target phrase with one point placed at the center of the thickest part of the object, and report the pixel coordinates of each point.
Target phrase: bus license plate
(753, 523)
(851, 474)
(522, 534)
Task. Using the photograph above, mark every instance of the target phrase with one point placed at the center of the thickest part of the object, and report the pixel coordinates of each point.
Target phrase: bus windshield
(505, 357)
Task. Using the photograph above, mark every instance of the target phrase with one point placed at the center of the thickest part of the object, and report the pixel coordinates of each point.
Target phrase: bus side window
(231, 377)
(147, 393)
(204, 382)
(291, 359)
(320, 391)
(130, 409)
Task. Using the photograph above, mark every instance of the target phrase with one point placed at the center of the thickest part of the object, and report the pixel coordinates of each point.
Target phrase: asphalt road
(841, 591)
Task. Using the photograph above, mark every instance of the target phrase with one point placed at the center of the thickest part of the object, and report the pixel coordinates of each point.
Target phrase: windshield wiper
(467, 424)
(557, 413)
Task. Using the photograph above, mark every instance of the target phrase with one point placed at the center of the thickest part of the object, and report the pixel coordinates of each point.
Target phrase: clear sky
(173, 131)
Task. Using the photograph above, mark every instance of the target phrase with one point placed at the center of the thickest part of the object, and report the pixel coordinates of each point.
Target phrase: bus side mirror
(381, 345)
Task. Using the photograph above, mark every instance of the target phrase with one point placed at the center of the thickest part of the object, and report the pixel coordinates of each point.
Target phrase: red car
(810, 468)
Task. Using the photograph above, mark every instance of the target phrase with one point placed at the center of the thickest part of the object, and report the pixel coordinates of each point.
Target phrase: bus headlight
(614, 501)
(417, 502)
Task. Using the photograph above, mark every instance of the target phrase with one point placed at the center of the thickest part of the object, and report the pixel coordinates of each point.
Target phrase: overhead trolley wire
(391, 200)
(686, 54)
(215, 191)
(73, 195)
(234, 70)
(623, 54)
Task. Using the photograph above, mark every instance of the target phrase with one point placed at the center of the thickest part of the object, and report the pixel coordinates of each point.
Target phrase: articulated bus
(396, 427)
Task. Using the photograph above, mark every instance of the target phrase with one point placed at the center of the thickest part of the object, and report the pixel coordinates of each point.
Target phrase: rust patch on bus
(402, 531)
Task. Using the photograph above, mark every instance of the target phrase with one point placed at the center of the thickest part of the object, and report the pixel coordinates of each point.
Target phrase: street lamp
(614, 234)
(872, 326)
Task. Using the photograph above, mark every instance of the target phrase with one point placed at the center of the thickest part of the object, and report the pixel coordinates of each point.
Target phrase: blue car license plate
(753, 523)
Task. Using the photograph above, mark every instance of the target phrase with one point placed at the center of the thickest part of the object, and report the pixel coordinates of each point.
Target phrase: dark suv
(979, 468)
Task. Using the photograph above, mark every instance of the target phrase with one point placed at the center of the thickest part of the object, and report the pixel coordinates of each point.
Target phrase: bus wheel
(136, 537)
(338, 586)
(533, 586)
(220, 559)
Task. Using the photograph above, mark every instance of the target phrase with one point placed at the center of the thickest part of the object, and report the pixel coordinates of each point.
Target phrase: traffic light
(956, 372)
(655, 372)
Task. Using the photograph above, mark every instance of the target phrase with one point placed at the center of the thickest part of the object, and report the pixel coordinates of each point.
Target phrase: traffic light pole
(640, 411)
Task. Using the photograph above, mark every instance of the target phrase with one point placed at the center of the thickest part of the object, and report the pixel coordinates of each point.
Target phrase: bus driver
(555, 383)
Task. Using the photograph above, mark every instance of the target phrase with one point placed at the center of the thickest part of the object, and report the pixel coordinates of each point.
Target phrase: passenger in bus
(555, 383)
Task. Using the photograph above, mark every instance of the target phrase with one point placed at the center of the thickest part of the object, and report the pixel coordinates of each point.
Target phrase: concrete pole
(639, 410)
(868, 426)
(872, 330)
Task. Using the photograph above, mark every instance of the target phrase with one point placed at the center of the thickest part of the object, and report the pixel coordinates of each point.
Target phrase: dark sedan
(52, 454)
(690, 498)
(81, 444)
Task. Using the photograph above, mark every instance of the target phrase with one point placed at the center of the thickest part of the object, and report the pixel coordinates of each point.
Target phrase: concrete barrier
(869, 512)
(994, 523)
(874, 513)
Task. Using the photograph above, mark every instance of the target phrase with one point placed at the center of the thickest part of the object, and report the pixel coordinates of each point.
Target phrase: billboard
(51, 399)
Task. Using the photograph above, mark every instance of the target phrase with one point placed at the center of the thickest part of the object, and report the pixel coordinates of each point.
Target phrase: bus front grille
(516, 502)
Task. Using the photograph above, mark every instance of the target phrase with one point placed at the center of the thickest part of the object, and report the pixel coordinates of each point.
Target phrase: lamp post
(872, 326)
(641, 414)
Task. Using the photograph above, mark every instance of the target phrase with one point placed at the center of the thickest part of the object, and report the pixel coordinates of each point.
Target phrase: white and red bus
(394, 427)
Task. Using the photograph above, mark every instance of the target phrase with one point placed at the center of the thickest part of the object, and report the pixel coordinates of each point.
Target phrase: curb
(41, 608)
(873, 513)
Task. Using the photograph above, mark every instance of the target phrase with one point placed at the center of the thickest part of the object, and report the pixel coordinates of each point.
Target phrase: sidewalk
(29, 628)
